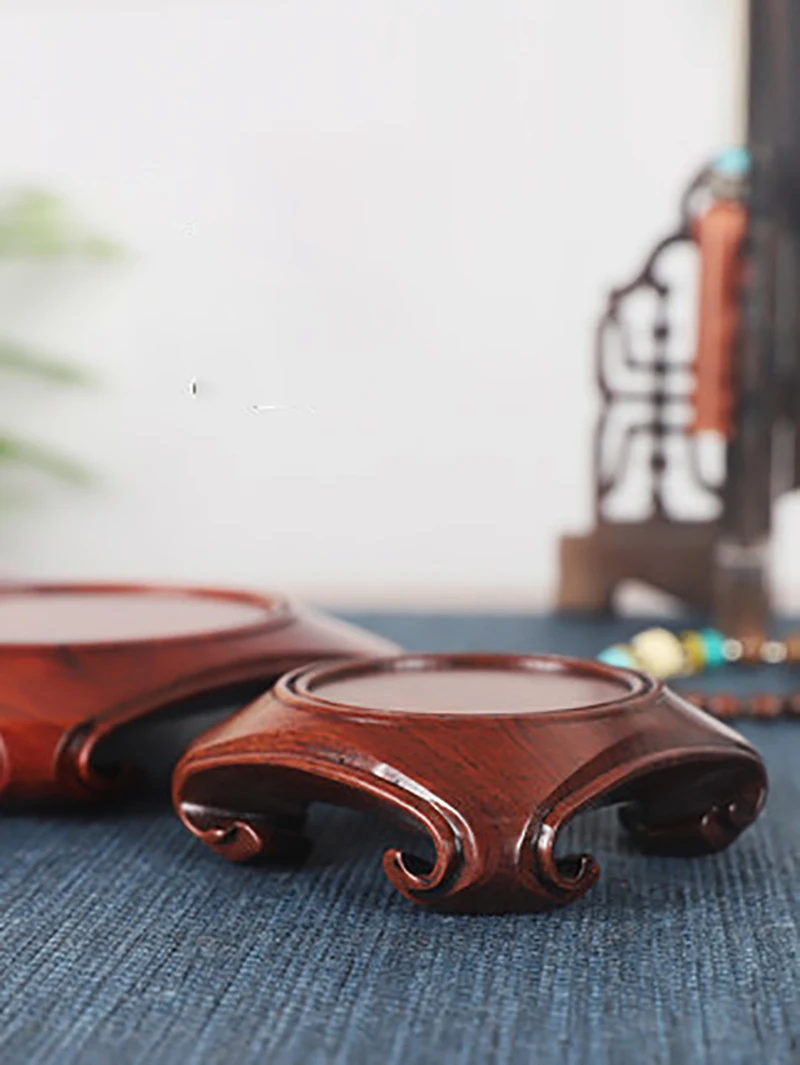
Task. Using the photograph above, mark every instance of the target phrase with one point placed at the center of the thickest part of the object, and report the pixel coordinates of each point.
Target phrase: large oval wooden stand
(490, 756)
(80, 662)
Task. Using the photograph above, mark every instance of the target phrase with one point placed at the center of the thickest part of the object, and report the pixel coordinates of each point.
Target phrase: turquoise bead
(620, 656)
(733, 162)
(714, 646)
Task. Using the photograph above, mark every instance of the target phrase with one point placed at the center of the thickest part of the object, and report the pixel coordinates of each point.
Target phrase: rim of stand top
(303, 688)
(276, 611)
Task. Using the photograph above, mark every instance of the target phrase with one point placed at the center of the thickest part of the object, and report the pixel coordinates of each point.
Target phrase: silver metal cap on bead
(774, 652)
(733, 650)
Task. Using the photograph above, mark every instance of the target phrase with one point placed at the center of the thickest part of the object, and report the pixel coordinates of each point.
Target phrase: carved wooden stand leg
(490, 756)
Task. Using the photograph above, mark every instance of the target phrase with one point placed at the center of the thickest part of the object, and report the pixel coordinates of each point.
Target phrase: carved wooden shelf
(489, 755)
(93, 674)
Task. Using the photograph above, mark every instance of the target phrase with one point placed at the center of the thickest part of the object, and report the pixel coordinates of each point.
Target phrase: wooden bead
(697, 699)
(660, 653)
(723, 706)
(751, 650)
(766, 706)
(792, 642)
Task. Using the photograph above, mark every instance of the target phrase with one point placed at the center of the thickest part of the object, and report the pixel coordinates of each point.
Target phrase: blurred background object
(732, 385)
(35, 225)
(390, 225)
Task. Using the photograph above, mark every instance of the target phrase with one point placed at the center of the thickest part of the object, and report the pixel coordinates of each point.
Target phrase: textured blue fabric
(124, 941)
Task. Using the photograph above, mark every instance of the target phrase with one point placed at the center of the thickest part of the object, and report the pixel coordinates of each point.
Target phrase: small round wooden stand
(489, 755)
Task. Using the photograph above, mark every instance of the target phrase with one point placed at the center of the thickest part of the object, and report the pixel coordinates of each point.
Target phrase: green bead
(620, 655)
(714, 645)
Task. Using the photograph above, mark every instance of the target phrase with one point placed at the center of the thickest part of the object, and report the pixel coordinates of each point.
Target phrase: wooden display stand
(488, 755)
(86, 671)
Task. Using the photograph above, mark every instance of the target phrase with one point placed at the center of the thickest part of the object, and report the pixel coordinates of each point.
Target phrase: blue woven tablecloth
(125, 941)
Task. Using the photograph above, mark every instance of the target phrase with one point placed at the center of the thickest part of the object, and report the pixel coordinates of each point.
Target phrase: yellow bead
(694, 650)
(660, 653)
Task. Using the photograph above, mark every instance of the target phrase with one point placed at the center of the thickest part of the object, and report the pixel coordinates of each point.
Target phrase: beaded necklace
(666, 656)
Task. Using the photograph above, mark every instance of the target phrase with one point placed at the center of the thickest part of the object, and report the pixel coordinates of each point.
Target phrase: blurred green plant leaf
(35, 224)
(14, 500)
(101, 248)
(20, 359)
(26, 453)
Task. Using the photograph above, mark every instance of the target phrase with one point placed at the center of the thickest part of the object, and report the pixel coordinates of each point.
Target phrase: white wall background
(396, 219)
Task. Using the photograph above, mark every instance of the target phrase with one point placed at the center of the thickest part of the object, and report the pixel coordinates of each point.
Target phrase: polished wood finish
(490, 756)
(80, 663)
(719, 233)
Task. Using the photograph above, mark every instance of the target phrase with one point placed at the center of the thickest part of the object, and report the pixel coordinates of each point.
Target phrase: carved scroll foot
(249, 837)
(489, 757)
(718, 816)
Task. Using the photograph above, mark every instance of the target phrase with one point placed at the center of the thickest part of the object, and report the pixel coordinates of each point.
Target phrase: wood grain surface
(489, 756)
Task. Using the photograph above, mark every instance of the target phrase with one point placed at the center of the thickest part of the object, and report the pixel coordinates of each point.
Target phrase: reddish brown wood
(78, 662)
(489, 755)
(719, 233)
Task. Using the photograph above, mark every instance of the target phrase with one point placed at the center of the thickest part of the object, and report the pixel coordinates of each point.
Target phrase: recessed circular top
(76, 616)
(466, 684)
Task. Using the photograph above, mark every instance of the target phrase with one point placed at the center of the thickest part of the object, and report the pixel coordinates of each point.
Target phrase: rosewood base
(488, 755)
(98, 681)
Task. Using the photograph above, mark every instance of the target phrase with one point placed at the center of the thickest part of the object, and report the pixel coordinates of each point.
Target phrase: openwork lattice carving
(656, 381)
